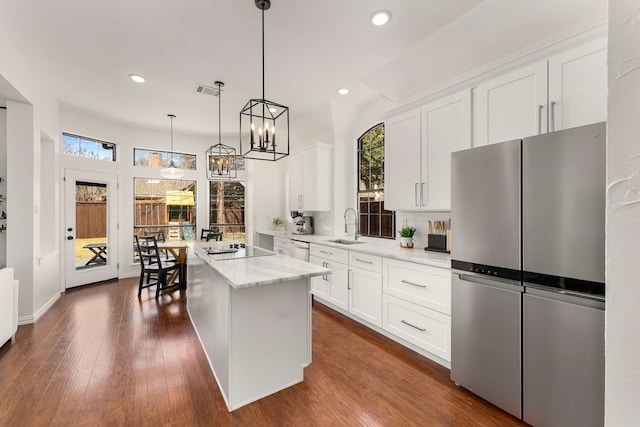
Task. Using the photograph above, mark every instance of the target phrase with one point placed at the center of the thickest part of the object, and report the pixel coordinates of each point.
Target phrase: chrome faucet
(356, 232)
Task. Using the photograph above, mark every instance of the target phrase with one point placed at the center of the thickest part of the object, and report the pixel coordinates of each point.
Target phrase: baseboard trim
(25, 320)
(42, 310)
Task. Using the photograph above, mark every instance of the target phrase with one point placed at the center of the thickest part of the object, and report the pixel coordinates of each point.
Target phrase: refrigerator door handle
(496, 282)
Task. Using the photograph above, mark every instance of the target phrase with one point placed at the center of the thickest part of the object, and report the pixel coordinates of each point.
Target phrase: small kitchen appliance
(304, 223)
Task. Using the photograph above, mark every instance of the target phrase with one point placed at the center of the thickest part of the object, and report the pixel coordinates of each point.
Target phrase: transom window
(375, 221)
(89, 148)
(161, 159)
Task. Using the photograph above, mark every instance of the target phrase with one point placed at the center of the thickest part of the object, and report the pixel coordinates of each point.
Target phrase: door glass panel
(91, 225)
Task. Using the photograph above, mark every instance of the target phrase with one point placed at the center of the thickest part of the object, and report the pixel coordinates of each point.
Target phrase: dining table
(178, 249)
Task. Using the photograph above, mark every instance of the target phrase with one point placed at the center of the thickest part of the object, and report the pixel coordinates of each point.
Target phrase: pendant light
(172, 172)
(221, 158)
(260, 119)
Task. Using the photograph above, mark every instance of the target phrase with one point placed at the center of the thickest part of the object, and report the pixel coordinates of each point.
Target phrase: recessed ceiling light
(343, 91)
(137, 78)
(381, 17)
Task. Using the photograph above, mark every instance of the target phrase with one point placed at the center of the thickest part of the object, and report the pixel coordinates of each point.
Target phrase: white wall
(622, 381)
(31, 112)
(3, 187)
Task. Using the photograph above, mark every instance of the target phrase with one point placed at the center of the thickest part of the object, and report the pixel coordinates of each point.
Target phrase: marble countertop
(380, 247)
(261, 270)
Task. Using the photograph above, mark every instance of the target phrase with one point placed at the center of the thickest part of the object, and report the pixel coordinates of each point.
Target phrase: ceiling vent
(207, 90)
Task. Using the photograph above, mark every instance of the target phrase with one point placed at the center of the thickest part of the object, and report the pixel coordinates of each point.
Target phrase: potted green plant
(278, 223)
(406, 237)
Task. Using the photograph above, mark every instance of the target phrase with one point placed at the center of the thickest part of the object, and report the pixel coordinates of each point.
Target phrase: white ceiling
(88, 48)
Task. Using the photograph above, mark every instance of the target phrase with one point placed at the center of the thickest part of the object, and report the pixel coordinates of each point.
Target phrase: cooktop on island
(227, 251)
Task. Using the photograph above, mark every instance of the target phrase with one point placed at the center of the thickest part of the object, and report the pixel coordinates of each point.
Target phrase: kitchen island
(252, 315)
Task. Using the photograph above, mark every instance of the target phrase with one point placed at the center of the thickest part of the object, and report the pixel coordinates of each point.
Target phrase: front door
(91, 227)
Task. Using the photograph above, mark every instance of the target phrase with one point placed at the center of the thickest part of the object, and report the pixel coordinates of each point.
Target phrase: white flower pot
(406, 242)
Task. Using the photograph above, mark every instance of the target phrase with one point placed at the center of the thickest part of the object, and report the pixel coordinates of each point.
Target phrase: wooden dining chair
(154, 271)
(160, 237)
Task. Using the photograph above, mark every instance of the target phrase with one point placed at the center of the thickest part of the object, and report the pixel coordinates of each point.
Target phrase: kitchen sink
(345, 241)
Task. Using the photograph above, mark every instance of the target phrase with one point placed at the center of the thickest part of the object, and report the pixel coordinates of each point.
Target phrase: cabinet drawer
(365, 261)
(425, 285)
(327, 252)
(420, 326)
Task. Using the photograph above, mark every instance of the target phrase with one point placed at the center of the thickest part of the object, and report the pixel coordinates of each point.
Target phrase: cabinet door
(446, 127)
(512, 105)
(578, 86)
(296, 177)
(309, 179)
(319, 284)
(365, 295)
(338, 290)
(402, 162)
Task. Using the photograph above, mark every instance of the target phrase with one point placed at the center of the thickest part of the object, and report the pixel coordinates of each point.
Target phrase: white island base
(257, 337)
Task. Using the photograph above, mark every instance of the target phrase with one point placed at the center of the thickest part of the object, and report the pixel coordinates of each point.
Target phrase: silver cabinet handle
(413, 326)
(552, 113)
(422, 194)
(349, 279)
(326, 253)
(415, 194)
(413, 284)
(324, 276)
(363, 260)
(540, 107)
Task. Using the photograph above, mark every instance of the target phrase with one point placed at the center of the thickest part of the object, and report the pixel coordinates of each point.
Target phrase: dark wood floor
(101, 356)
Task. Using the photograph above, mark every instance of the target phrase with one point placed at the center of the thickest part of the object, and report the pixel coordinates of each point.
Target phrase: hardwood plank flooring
(102, 356)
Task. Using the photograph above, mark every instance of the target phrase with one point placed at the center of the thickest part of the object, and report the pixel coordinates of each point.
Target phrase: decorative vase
(406, 242)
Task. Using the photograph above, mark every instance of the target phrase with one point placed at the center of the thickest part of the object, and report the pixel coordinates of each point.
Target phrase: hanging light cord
(171, 116)
(263, 98)
(219, 114)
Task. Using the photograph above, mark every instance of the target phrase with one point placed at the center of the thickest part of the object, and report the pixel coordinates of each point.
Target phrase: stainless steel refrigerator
(527, 221)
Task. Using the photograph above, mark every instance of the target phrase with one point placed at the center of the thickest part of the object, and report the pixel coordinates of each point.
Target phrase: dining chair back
(153, 270)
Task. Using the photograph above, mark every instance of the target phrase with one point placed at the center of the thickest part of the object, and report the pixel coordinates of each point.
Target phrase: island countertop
(259, 270)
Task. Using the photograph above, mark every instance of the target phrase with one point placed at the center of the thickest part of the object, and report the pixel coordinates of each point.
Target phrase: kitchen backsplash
(419, 221)
(323, 223)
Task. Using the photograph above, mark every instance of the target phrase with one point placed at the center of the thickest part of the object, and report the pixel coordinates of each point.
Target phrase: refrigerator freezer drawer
(563, 362)
(486, 341)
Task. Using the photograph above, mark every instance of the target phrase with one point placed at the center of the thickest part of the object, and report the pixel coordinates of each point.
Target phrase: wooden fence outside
(91, 220)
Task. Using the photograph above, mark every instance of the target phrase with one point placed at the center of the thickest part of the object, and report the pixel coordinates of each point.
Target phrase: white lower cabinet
(416, 304)
(365, 295)
(331, 287)
(334, 287)
(282, 246)
(427, 329)
(355, 282)
(406, 301)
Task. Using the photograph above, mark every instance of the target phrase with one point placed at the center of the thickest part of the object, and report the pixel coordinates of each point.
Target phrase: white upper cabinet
(578, 86)
(565, 91)
(402, 153)
(418, 147)
(512, 105)
(310, 178)
(446, 127)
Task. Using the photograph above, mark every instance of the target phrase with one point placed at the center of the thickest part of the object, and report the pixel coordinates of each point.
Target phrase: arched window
(375, 221)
